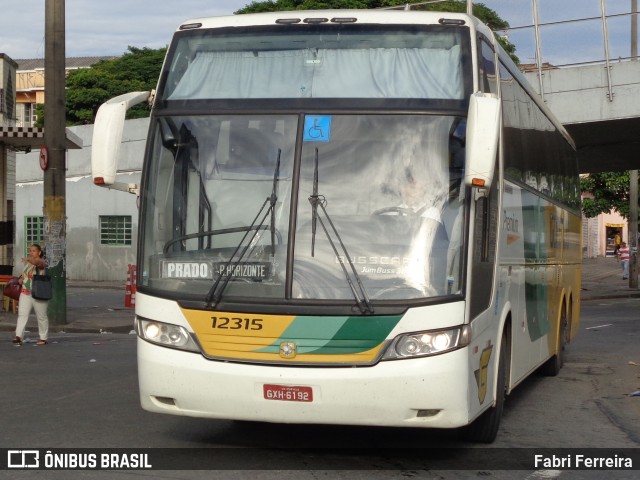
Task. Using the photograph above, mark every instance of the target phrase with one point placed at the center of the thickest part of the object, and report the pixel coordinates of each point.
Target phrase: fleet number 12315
(236, 323)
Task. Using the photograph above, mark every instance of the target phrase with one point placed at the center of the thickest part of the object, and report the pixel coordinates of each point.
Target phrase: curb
(72, 329)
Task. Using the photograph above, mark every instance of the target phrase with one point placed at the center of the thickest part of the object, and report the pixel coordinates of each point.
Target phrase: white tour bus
(360, 217)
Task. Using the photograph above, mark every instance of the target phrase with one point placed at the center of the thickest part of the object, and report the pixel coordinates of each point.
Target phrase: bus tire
(484, 429)
(552, 367)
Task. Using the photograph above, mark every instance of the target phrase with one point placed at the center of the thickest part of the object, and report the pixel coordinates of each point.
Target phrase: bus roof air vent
(316, 20)
(451, 21)
(287, 21)
(190, 26)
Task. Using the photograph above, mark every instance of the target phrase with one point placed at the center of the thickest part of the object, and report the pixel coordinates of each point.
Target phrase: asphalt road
(81, 392)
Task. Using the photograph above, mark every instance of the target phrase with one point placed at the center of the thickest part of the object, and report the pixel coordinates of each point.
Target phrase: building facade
(30, 85)
(8, 69)
(102, 224)
(599, 234)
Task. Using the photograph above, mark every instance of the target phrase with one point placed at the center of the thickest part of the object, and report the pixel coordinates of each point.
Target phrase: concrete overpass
(600, 107)
(597, 100)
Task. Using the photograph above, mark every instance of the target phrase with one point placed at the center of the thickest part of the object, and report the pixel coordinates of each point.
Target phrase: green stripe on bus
(336, 335)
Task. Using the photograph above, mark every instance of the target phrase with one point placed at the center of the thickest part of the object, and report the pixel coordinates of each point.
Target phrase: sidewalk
(602, 278)
(93, 307)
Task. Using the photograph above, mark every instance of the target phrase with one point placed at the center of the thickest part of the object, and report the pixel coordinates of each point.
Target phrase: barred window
(115, 229)
(34, 232)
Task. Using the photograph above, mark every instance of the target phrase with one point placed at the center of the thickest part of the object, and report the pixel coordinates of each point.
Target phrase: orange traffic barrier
(127, 288)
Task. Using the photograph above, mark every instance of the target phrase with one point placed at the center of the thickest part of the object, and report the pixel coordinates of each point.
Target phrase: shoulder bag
(13, 288)
(41, 286)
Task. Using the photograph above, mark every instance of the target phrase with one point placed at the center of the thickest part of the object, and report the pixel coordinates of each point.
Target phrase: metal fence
(592, 36)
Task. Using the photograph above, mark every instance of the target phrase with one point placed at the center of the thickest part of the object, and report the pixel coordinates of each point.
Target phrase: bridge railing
(595, 44)
(587, 24)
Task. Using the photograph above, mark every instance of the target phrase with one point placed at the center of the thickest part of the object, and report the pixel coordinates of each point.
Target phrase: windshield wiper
(362, 299)
(274, 198)
(214, 296)
(314, 206)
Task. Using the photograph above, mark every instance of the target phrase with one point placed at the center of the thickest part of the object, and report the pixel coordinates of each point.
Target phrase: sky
(108, 27)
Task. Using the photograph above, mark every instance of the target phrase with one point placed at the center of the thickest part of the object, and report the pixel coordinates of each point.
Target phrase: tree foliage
(88, 88)
(480, 10)
(608, 191)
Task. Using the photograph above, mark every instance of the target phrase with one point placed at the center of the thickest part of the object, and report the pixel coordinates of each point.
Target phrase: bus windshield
(327, 61)
(228, 203)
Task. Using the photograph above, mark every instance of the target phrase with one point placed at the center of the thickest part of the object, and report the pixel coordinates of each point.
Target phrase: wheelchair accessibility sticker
(317, 128)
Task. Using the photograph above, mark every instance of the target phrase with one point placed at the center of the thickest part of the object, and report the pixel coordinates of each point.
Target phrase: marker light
(190, 26)
(288, 21)
(451, 21)
(344, 20)
(315, 20)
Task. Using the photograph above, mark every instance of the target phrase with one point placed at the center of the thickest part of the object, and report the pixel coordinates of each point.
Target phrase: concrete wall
(86, 259)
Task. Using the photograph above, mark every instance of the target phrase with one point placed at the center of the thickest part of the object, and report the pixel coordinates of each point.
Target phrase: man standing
(617, 241)
(623, 256)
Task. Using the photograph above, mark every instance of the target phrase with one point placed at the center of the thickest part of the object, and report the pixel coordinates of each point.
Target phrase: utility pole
(633, 229)
(54, 209)
(633, 174)
(634, 29)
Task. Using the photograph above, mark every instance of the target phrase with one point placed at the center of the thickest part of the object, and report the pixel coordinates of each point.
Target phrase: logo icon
(317, 128)
(23, 459)
(288, 349)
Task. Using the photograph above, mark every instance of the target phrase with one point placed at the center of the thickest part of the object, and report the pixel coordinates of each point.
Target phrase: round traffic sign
(44, 157)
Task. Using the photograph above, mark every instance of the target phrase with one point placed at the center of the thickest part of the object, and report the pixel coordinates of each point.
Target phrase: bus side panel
(572, 270)
(539, 260)
(515, 275)
(563, 272)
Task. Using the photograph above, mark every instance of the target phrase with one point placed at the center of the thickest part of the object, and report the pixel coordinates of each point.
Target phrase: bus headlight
(165, 334)
(432, 342)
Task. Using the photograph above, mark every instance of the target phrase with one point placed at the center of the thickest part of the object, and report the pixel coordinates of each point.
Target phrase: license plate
(288, 393)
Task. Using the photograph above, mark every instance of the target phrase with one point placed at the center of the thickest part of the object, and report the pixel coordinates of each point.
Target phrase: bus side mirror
(107, 138)
(483, 135)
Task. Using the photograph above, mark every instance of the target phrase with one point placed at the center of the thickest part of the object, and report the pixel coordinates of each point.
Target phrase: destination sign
(187, 269)
(207, 270)
(253, 270)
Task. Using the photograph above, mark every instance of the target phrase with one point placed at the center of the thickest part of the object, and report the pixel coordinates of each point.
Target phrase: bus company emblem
(288, 350)
(482, 373)
(512, 225)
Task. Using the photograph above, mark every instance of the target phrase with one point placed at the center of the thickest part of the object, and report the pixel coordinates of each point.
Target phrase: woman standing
(33, 264)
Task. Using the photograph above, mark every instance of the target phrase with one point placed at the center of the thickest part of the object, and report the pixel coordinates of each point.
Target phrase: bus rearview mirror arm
(107, 139)
(483, 135)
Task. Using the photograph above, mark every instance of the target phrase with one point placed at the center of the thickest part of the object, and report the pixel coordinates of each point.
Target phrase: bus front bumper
(427, 392)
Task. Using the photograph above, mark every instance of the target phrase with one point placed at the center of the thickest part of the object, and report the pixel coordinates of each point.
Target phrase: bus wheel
(484, 429)
(553, 366)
